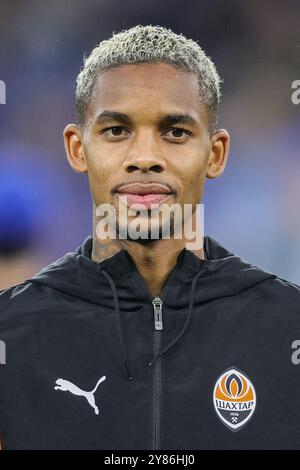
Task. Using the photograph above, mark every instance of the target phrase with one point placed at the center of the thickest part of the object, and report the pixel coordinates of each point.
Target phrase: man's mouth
(146, 194)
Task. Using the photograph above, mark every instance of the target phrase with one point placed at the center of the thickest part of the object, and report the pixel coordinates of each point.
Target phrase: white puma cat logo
(67, 386)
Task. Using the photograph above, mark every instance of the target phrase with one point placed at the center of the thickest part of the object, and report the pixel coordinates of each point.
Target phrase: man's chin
(144, 235)
(143, 241)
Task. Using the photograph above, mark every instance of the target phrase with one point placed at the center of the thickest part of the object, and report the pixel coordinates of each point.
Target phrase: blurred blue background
(252, 209)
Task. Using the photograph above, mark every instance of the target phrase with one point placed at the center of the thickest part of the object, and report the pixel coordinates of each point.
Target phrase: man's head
(150, 44)
(147, 102)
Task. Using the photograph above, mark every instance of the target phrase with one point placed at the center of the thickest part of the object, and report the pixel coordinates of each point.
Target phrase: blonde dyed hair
(150, 44)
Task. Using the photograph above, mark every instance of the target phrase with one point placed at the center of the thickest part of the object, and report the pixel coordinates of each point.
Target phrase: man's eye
(113, 131)
(178, 132)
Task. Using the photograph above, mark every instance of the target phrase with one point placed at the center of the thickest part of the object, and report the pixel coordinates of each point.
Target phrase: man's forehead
(152, 79)
(149, 72)
(159, 88)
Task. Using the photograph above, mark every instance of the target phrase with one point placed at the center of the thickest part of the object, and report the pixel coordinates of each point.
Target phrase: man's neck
(153, 261)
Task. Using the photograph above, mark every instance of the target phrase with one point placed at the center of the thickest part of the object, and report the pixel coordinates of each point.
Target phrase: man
(149, 343)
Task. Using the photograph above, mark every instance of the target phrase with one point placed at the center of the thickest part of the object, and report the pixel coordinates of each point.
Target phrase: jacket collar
(121, 265)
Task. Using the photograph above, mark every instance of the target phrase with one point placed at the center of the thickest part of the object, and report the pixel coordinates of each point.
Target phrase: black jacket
(94, 362)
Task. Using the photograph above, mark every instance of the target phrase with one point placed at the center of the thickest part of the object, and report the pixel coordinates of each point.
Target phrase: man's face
(146, 124)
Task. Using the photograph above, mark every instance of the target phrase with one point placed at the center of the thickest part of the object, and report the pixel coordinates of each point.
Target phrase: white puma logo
(67, 386)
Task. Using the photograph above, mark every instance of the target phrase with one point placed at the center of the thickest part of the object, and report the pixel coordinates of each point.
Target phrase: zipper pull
(157, 307)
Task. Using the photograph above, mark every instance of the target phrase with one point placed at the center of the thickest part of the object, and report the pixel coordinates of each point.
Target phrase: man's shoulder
(28, 297)
(279, 291)
(15, 292)
(280, 284)
(285, 284)
(20, 298)
(35, 290)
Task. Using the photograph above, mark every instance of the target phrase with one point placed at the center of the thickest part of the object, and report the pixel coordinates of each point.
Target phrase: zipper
(158, 327)
(157, 307)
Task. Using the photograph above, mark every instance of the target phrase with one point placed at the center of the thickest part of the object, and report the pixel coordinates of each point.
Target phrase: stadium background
(252, 209)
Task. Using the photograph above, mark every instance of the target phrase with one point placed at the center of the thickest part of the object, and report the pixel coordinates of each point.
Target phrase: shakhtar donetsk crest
(234, 398)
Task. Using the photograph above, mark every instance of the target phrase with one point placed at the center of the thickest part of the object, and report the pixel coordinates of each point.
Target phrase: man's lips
(147, 200)
(144, 188)
(146, 194)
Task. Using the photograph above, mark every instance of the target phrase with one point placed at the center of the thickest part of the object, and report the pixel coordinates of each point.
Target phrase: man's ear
(73, 141)
(218, 156)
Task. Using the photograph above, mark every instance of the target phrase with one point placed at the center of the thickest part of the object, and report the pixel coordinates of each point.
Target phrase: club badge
(234, 398)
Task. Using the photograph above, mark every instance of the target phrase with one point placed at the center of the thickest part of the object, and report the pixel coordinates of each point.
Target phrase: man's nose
(145, 154)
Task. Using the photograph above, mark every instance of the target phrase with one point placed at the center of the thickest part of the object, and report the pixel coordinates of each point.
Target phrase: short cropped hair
(150, 44)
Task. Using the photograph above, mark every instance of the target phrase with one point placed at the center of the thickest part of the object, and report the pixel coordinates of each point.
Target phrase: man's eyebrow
(109, 115)
(164, 120)
(170, 119)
